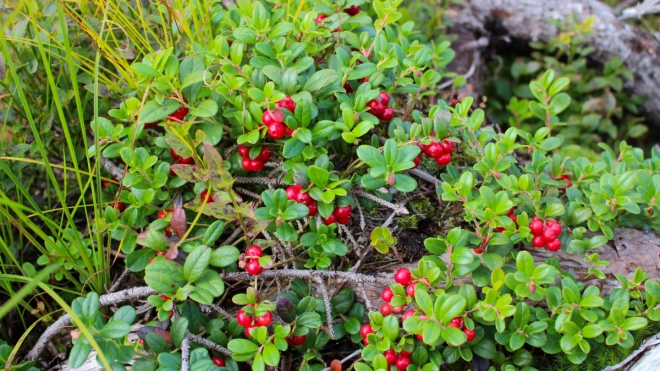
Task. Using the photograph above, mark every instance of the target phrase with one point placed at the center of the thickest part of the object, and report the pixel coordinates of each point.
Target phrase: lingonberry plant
(250, 156)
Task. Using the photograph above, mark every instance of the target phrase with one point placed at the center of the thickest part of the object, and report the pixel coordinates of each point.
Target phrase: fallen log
(530, 20)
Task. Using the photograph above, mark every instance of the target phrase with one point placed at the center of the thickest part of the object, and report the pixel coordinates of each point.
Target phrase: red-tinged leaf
(172, 252)
(141, 238)
(165, 334)
(214, 209)
(178, 220)
(220, 177)
(335, 365)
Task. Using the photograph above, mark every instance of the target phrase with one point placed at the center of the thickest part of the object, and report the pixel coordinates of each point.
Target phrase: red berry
(419, 337)
(313, 207)
(390, 356)
(297, 341)
(352, 10)
(387, 115)
(548, 234)
(256, 165)
(478, 251)
(270, 117)
(434, 150)
(554, 226)
(500, 229)
(471, 334)
(402, 276)
(510, 214)
(119, 206)
(538, 241)
(165, 297)
(348, 88)
(456, 322)
(265, 154)
(181, 113)
(243, 319)
(254, 268)
(184, 160)
(174, 154)
(164, 213)
(151, 260)
(206, 196)
(417, 160)
(365, 79)
(405, 353)
(407, 314)
(384, 98)
(246, 163)
(567, 179)
(287, 131)
(366, 330)
(397, 310)
(253, 251)
(329, 220)
(387, 295)
(168, 231)
(220, 362)
(402, 363)
(536, 226)
(554, 245)
(375, 107)
(105, 183)
(265, 320)
(444, 159)
(303, 198)
(410, 290)
(343, 212)
(293, 192)
(248, 330)
(344, 221)
(386, 309)
(320, 18)
(450, 145)
(243, 150)
(276, 130)
(287, 103)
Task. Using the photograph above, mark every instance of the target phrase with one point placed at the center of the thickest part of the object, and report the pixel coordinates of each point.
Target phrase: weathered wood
(530, 20)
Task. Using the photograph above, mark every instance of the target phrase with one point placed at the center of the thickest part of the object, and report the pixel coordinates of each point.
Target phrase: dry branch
(530, 19)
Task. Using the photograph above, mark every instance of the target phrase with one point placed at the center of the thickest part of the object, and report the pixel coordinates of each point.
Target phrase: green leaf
(318, 176)
(391, 327)
(153, 111)
(243, 350)
(196, 263)
(79, 354)
(224, 256)
(178, 330)
(371, 156)
(454, 336)
(452, 307)
(634, 323)
(207, 108)
(271, 354)
(320, 79)
(293, 147)
(115, 330)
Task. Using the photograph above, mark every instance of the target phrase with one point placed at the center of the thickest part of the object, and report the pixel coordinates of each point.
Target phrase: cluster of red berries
(459, 324)
(162, 215)
(341, 215)
(401, 361)
(546, 233)
(253, 267)
(404, 278)
(218, 361)
(379, 106)
(250, 322)
(440, 151)
(176, 116)
(179, 160)
(274, 119)
(253, 164)
(295, 193)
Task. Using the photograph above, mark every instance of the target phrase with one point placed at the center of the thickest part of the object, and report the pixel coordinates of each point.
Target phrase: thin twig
(119, 280)
(328, 307)
(209, 344)
(185, 354)
(399, 209)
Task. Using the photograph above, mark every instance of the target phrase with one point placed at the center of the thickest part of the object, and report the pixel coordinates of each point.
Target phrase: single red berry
(365, 341)
(366, 330)
(344, 221)
(384, 98)
(265, 154)
(478, 251)
(181, 113)
(168, 231)
(390, 356)
(270, 117)
(402, 363)
(434, 150)
(254, 268)
(510, 214)
(171, 314)
(119, 206)
(320, 18)
(164, 213)
(405, 354)
(220, 362)
(449, 144)
(287, 103)
(151, 260)
(243, 319)
(297, 341)
(265, 320)
(303, 198)
(548, 234)
(554, 225)
(329, 220)
(419, 337)
(248, 330)
(397, 310)
(375, 107)
(388, 114)
(256, 165)
(554, 245)
(343, 212)
(206, 196)
(471, 334)
(276, 130)
(246, 163)
(444, 159)
(538, 241)
(407, 314)
(105, 183)
(387, 295)
(500, 229)
(174, 154)
(456, 322)
(313, 208)
(402, 276)
(184, 160)
(253, 251)
(348, 88)
(567, 179)
(365, 79)
(165, 297)
(293, 192)
(352, 10)
(386, 309)
(536, 226)
(417, 160)
(410, 290)
(244, 151)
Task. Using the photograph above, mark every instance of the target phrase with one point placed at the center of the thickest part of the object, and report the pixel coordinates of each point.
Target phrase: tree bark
(530, 19)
